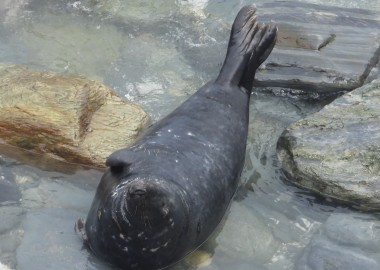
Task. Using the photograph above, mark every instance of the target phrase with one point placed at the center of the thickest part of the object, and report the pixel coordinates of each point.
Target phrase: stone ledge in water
(336, 152)
(320, 48)
(66, 116)
(345, 242)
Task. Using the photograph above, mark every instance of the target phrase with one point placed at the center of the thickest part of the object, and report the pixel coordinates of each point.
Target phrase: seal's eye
(116, 169)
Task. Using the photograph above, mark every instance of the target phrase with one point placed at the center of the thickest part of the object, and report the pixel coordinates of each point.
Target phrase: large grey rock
(66, 116)
(320, 48)
(335, 152)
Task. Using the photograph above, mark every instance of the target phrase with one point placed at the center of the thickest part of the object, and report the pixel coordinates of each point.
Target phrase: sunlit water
(157, 53)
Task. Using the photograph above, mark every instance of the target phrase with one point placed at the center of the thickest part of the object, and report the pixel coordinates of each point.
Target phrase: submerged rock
(336, 152)
(67, 45)
(356, 230)
(49, 240)
(9, 192)
(346, 242)
(321, 254)
(66, 116)
(10, 234)
(139, 10)
(246, 237)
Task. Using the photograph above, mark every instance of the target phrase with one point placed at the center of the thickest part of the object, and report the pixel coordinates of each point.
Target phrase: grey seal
(164, 195)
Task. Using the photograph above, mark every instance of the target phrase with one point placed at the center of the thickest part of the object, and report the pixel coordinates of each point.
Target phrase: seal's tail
(249, 46)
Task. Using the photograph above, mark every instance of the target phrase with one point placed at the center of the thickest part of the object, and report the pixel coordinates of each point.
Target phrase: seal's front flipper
(249, 46)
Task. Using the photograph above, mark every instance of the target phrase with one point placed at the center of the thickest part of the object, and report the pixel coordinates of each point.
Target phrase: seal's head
(137, 221)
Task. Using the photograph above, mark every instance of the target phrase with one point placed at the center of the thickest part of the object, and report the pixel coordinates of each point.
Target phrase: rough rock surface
(320, 48)
(67, 116)
(336, 152)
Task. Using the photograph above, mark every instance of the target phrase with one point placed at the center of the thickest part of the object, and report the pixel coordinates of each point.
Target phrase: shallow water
(157, 54)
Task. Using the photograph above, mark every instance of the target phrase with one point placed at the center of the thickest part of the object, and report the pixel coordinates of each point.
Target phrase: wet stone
(320, 48)
(152, 72)
(237, 264)
(354, 230)
(58, 194)
(50, 238)
(245, 236)
(335, 152)
(323, 255)
(66, 117)
(10, 234)
(9, 191)
(347, 241)
(137, 10)
(8, 244)
(11, 216)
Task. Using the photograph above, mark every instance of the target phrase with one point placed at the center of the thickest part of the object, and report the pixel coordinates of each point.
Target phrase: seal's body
(163, 196)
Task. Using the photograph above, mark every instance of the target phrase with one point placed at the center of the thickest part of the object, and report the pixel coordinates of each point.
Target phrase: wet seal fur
(162, 197)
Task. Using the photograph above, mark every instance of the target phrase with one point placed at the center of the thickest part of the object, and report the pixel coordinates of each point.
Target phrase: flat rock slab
(336, 151)
(66, 116)
(320, 48)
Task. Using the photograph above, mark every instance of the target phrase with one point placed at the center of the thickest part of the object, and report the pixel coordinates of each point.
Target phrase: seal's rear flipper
(249, 46)
(262, 45)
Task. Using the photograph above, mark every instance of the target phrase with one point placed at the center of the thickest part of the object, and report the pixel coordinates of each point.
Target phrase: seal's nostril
(137, 193)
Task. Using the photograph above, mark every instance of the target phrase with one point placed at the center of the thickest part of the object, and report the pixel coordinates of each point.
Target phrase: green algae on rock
(66, 116)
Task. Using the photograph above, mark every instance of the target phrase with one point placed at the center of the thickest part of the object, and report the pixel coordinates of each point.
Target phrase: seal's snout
(137, 190)
(148, 202)
(137, 193)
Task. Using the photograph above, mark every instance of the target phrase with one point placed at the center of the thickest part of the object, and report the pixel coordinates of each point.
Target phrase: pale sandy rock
(67, 116)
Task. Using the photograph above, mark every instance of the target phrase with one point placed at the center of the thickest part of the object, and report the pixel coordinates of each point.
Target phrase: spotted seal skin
(162, 197)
